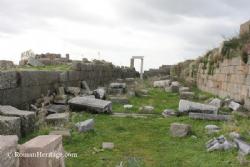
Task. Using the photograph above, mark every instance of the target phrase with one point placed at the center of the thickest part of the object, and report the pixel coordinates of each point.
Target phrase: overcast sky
(164, 31)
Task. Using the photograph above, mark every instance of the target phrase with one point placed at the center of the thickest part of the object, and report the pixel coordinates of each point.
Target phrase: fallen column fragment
(213, 117)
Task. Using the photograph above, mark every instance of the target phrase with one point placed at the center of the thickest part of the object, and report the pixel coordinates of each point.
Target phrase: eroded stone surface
(180, 130)
(10, 126)
(8, 146)
(94, 105)
(58, 119)
(44, 144)
(189, 106)
(27, 118)
(85, 125)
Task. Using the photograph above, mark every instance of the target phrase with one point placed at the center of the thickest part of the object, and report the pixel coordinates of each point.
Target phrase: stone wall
(20, 88)
(161, 71)
(245, 28)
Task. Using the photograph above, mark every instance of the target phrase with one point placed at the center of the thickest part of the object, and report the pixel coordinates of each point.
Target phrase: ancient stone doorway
(132, 65)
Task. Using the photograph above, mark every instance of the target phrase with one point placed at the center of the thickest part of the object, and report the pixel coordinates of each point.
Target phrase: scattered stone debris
(234, 106)
(146, 109)
(45, 144)
(58, 119)
(73, 90)
(141, 92)
(90, 104)
(220, 143)
(8, 146)
(85, 125)
(107, 145)
(5, 64)
(212, 117)
(188, 106)
(180, 130)
(85, 86)
(210, 129)
(168, 112)
(216, 102)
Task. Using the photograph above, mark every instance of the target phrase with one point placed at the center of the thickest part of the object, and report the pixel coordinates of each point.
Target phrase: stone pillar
(141, 73)
(132, 63)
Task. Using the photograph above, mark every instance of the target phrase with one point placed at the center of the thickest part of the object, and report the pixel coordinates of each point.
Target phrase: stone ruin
(5, 64)
(29, 57)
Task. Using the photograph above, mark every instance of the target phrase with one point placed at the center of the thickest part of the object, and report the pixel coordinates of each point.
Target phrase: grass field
(146, 142)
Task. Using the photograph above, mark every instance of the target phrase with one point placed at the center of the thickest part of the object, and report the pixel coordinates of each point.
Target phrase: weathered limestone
(243, 146)
(212, 117)
(85, 86)
(108, 145)
(216, 102)
(188, 106)
(161, 84)
(34, 62)
(5, 64)
(219, 143)
(234, 106)
(127, 106)
(44, 144)
(180, 130)
(58, 119)
(210, 129)
(168, 112)
(8, 146)
(27, 118)
(73, 90)
(52, 109)
(186, 95)
(147, 109)
(95, 105)
(10, 126)
(117, 88)
(100, 93)
(85, 125)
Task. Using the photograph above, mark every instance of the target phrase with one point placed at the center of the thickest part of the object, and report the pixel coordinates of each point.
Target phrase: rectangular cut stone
(44, 144)
(189, 106)
(58, 119)
(213, 117)
(95, 105)
(8, 146)
(10, 126)
(85, 125)
(27, 118)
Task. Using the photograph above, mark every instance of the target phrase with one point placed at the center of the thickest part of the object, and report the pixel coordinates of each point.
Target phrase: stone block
(85, 125)
(10, 126)
(90, 104)
(46, 144)
(189, 106)
(180, 130)
(8, 148)
(58, 119)
(27, 118)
